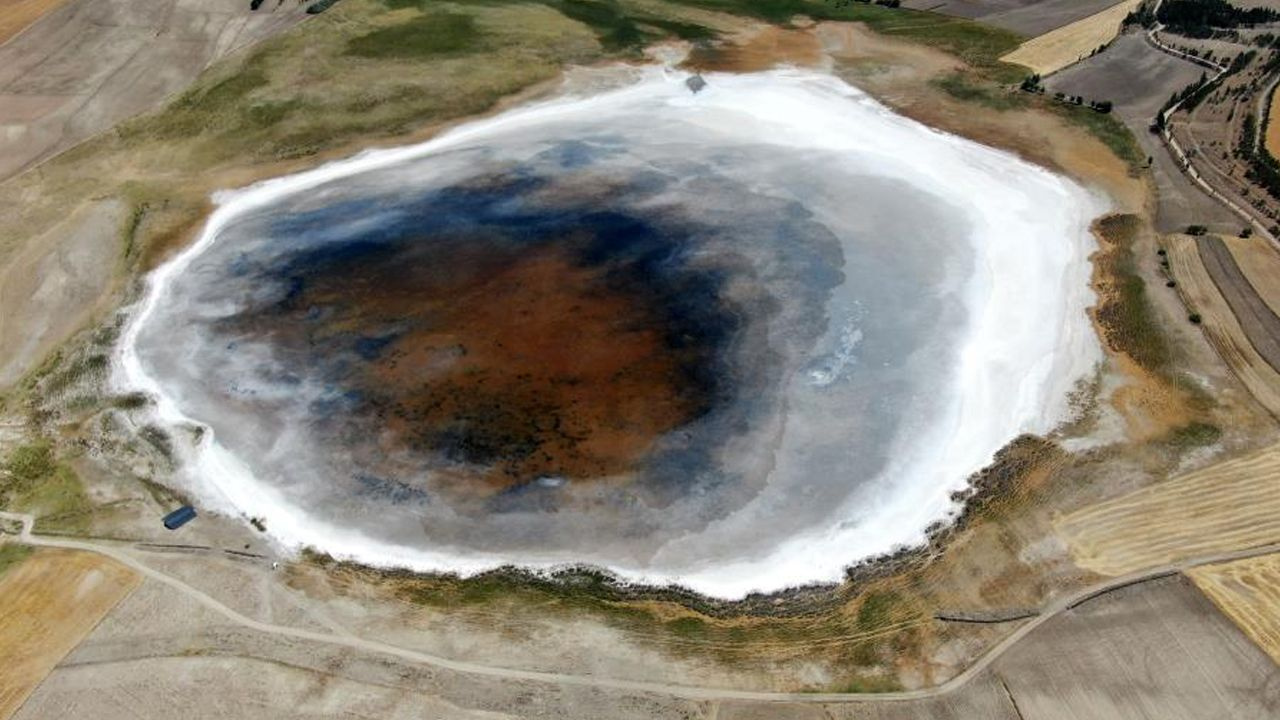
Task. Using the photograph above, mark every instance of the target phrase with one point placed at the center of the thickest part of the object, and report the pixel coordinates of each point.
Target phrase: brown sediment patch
(1125, 319)
(760, 48)
(518, 366)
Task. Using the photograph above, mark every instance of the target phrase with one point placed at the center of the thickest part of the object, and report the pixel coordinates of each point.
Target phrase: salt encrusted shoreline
(1029, 340)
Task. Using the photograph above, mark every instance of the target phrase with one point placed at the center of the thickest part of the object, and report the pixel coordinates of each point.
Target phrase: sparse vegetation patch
(1124, 312)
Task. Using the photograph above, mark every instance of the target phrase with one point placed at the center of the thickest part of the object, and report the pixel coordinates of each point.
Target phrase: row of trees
(1031, 84)
(1192, 95)
(1201, 18)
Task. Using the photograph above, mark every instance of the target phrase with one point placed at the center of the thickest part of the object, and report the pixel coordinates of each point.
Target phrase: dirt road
(1059, 606)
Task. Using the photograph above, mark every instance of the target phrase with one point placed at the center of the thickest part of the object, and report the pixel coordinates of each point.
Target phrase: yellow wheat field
(1059, 48)
(1224, 507)
(1248, 591)
(48, 603)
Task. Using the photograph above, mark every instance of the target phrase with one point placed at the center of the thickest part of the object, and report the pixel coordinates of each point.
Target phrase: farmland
(48, 603)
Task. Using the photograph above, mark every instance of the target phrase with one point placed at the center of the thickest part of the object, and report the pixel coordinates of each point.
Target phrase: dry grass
(1220, 325)
(48, 604)
(16, 15)
(1248, 592)
(1225, 507)
(1070, 43)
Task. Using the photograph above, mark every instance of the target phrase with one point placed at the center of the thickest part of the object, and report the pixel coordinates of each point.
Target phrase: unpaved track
(678, 691)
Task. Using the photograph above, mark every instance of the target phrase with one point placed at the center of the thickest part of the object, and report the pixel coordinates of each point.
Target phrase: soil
(48, 604)
(17, 15)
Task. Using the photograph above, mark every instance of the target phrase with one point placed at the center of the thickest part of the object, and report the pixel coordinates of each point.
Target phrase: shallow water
(736, 339)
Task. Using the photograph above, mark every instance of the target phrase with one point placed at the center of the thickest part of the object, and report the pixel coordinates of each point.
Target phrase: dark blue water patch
(370, 348)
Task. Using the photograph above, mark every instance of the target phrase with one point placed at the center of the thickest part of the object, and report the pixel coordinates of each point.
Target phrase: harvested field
(1158, 650)
(1041, 16)
(1071, 43)
(1248, 591)
(1224, 507)
(1258, 321)
(1219, 323)
(48, 604)
(16, 15)
(1029, 17)
(1259, 260)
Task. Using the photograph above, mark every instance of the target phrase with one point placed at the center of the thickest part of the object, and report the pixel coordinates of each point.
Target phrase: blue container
(179, 517)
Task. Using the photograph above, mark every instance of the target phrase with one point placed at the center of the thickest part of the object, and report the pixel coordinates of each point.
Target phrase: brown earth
(86, 66)
(16, 15)
(759, 49)
(48, 604)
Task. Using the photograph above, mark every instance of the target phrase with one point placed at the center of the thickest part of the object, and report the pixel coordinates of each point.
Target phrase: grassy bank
(1124, 311)
(34, 480)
